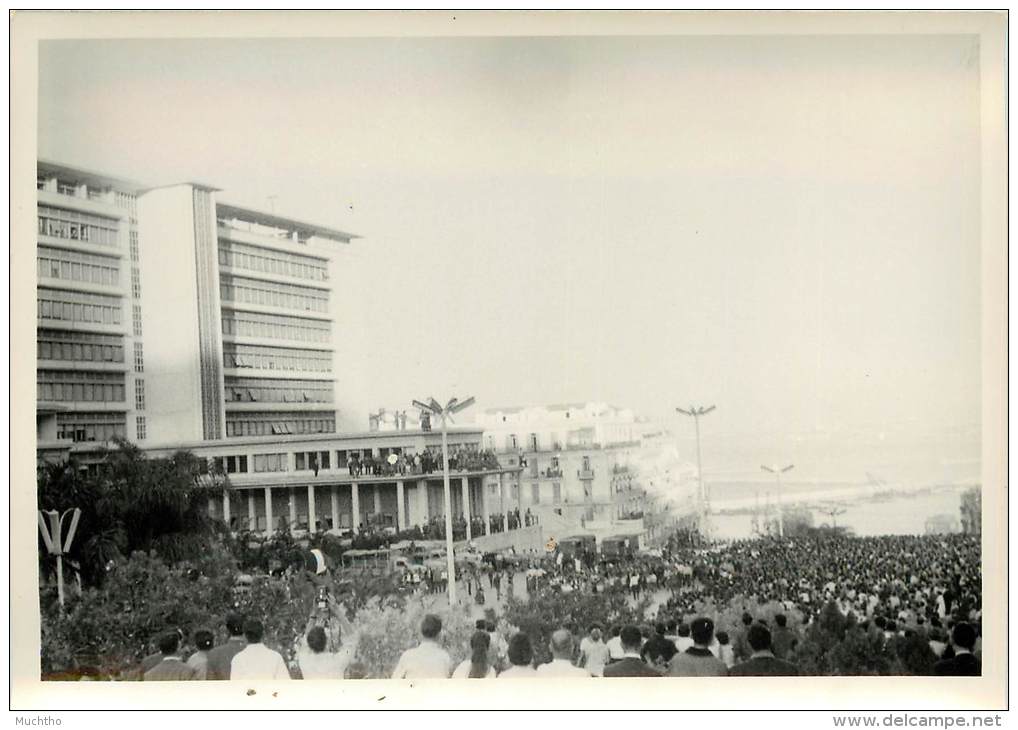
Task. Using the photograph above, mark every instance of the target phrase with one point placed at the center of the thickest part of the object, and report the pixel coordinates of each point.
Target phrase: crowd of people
(425, 462)
(922, 589)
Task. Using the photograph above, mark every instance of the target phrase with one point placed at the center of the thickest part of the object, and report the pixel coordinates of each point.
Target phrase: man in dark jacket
(762, 663)
(171, 668)
(697, 660)
(221, 656)
(964, 663)
(658, 650)
(630, 665)
(783, 641)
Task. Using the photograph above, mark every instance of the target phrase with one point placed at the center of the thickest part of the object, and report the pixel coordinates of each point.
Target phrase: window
(276, 358)
(267, 424)
(139, 394)
(73, 385)
(269, 462)
(136, 316)
(90, 426)
(236, 464)
(535, 493)
(135, 282)
(139, 358)
(57, 263)
(78, 306)
(309, 460)
(275, 390)
(255, 258)
(135, 254)
(275, 327)
(74, 226)
(79, 346)
(272, 294)
(140, 427)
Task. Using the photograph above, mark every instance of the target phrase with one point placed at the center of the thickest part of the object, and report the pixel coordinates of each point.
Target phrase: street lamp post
(51, 527)
(696, 412)
(444, 414)
(777, 472)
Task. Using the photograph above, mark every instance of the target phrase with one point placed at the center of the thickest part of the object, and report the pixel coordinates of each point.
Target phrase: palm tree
(134, 503)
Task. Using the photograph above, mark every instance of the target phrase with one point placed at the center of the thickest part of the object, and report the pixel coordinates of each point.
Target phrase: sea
(868, 509)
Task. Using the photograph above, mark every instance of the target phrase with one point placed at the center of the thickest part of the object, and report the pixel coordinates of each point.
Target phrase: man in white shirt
(562, 651)
(427, 660)
(594, 652)
(615, 649)
(257, 661)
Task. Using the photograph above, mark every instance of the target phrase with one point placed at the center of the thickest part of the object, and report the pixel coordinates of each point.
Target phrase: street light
(453, 406)
(777, 472)
(51, 527)
(696, 413)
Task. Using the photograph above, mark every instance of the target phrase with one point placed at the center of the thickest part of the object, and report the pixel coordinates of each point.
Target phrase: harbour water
(864, 513)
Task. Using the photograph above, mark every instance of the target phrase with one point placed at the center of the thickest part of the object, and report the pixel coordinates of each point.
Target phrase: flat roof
(81, 175)
(228, 210)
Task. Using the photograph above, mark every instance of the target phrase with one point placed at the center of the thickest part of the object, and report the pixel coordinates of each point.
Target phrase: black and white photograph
(524, 355)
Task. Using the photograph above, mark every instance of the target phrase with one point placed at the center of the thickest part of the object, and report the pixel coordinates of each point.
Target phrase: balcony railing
(585, 473)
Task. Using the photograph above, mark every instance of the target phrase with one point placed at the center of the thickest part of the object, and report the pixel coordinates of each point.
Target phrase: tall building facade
(168, 316)
(90, 349)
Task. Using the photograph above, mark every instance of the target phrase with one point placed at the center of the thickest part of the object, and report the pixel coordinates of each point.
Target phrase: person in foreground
(762, 662)
(521, 654)
(478, 666)
(257, 661)
(697, 660)
(630, 665)
(218, 664)
(964, 663)
(427, 660)
(317, 663)
(561, 664)
(171, 667)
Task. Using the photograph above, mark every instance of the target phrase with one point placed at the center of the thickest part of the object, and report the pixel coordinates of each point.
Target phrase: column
(484, 506)
(291, 503)
(312, 514)
(270, 525)
(212, 507)
(377, 491)
(355, 504)
(334, 503)
(252, 511)
(465, 489)
(400, 507)
(421, 502)
(226, 507)
(502, 506)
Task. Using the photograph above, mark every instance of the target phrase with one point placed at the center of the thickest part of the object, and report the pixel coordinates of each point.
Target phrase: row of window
(255, 258)
(127, 201)
(276, 358)
(278, 423)
(90, 426)
(69, 385)
(311, 460)
(135, 282)
(275, 327)
(74, 266)
(272, 294)
(78, 307)
(75, 226)
(79, 346)
(139, 358)
(134, 246)
(139, 394)
(243, 390)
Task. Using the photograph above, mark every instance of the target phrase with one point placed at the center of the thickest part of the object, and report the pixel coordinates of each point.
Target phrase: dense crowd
(426, 462)
(903, 592)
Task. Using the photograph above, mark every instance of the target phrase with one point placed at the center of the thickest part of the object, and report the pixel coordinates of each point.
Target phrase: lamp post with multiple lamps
(695, 412)
(777, 472)
(445, 413)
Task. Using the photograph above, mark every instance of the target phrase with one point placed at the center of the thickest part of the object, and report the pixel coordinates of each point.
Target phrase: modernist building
(167, 315)
(302, 482)
(90, 346)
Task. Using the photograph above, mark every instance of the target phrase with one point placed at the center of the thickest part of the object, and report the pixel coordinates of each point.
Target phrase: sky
(784, 226)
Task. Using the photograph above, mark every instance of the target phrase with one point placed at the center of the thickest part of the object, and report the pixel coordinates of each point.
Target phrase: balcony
(585, 473)
(550, 474)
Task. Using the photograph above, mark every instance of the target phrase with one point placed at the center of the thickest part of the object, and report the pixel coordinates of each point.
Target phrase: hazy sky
(787, 227)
